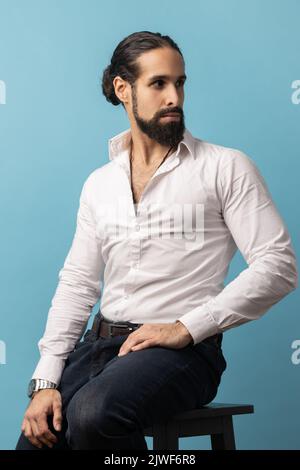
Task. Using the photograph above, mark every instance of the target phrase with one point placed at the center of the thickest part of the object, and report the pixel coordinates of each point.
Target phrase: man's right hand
(35, 426)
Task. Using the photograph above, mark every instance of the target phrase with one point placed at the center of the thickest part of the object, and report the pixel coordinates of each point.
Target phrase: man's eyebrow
(164, 77)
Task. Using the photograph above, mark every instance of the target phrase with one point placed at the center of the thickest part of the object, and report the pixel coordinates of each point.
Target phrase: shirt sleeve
(262, 238)
(78, 290)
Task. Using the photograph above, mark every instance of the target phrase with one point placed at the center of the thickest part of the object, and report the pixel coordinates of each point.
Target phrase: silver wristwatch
(39, 384)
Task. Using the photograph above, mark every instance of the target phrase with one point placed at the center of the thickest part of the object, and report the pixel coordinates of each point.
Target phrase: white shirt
(151, 267)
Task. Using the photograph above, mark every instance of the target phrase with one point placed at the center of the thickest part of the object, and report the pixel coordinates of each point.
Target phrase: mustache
(172, 110)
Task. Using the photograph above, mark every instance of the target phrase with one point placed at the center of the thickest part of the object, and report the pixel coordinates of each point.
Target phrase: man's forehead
(162, 62)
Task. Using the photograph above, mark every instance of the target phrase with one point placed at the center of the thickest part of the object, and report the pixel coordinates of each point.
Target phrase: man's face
(158, 91)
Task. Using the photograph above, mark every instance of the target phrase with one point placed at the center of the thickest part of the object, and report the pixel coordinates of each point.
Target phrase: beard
(168, 134)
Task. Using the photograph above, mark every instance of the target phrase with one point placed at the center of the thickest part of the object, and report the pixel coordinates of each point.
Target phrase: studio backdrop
(242, 91)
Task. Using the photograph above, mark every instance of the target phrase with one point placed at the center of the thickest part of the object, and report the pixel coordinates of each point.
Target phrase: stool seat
(214, 419)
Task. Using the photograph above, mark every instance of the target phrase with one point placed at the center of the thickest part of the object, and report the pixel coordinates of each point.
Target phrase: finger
(145, 344)
(42, 432)
(43, 426)
(36, 432)
(28, 433)
(57, 416)
(23, 425)
(129, 344)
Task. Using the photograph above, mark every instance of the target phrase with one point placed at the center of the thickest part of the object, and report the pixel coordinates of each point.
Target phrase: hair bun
(108, 87)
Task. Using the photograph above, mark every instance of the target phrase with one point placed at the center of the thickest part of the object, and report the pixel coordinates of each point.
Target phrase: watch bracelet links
(43, 384)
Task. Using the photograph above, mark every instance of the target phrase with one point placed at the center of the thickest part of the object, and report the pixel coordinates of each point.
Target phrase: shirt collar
(120, 142)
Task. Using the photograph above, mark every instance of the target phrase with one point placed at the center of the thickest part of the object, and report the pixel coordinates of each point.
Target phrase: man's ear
(121, 89)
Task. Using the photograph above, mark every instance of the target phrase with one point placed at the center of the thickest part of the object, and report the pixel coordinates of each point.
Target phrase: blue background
(241, 59)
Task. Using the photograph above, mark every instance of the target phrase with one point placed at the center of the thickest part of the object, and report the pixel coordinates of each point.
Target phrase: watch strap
(40, 384)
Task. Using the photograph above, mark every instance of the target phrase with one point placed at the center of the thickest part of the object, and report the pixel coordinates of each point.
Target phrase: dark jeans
(108, 400)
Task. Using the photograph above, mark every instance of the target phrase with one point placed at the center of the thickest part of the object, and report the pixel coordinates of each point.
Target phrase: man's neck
(145, 151)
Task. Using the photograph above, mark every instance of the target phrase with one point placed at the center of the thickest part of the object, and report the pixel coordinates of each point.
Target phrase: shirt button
(137, 227)
(126, 296)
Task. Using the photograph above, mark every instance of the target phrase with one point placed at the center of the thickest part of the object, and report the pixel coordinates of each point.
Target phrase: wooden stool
(214, 420)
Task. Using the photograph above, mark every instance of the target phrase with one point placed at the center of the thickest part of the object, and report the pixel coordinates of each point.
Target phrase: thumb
(57, 417)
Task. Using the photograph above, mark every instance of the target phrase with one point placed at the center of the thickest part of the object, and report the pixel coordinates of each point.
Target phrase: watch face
(31, 387)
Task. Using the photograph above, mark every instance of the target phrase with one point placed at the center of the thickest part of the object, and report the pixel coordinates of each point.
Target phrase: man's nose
(173, 96)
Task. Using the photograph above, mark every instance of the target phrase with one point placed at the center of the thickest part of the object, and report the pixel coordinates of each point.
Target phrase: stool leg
(224, 441)
(165, 436)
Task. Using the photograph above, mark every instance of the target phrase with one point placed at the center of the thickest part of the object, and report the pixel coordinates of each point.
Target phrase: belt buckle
(112, 325)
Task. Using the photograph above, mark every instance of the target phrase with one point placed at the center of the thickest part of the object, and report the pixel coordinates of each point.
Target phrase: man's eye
(159, 82)
(180, 83)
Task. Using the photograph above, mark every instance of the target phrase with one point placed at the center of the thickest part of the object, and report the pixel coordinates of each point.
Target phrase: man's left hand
(170, 335)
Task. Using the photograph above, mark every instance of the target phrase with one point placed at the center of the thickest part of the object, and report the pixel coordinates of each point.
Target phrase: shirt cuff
(49, 368)
(200, 323)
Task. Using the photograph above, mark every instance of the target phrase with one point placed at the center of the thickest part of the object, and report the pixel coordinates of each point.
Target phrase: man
(157, 226)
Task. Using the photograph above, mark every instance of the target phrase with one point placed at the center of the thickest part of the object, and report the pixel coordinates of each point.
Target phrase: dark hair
(123, 62)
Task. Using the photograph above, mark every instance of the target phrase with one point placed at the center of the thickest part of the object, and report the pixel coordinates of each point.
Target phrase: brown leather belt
(107, 328)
